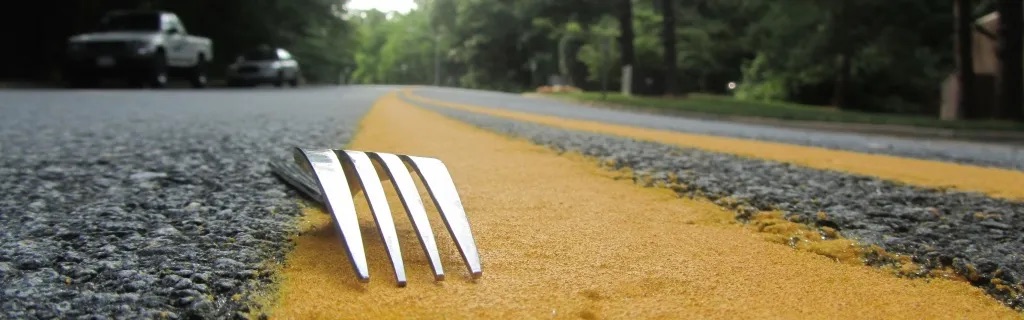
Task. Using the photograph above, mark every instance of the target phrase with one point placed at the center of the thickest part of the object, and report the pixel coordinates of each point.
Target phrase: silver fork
(332, 177)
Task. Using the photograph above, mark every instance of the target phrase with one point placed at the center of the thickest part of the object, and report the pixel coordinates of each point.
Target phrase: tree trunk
(1011, 58)
(626, 28)
(564, 62)
(668, 39)
(964, 55)
(842, 81)
(844, 51)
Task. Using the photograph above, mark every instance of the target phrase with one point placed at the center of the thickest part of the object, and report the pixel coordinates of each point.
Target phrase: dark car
(264, 65)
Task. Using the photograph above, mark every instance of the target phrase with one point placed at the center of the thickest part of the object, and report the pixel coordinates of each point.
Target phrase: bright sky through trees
(402, 6)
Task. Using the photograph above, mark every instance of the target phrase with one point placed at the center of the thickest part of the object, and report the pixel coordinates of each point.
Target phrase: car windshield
(131, 22)
(260, 54)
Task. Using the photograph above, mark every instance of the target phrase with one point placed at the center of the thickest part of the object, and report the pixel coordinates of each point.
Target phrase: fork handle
(298, 179)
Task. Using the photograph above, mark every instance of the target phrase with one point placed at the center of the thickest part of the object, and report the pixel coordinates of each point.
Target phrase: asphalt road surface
(141, 204)
(159, 203)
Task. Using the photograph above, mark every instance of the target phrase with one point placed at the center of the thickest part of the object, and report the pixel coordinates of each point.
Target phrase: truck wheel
(198, 74)
(158, 75)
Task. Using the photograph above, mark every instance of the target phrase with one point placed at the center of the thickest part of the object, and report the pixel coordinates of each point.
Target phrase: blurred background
(879, 56)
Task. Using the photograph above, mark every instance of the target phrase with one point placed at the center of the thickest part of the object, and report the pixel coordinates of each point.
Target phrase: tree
(864, 55)
(625, 14)
(593, 54)
(669, 40)
(964, 58)
(1011, 63)
(314, 30)
(711, 43)
(843, 50)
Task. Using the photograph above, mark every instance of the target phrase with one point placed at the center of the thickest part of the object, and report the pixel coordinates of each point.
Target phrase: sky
(402, 6)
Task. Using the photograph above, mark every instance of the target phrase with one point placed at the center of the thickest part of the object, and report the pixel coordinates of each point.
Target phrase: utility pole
(964, 27)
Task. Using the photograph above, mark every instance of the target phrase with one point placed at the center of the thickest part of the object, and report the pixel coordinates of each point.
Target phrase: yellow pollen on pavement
(995, 182)
(559, 238)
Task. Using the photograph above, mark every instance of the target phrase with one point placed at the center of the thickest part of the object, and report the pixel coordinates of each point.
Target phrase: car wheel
(279, 82)
(198, 76)
(80, 81)
(158, 75)
(294, 82)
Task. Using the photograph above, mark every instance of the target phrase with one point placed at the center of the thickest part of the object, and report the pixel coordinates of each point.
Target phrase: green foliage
(897, 62)
(394, 50)
(759, 83)
(646, 47)
(599, 53)
(899, 51)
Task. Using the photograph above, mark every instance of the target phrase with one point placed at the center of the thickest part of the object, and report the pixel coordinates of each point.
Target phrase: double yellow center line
(560, 239)
(995, 182)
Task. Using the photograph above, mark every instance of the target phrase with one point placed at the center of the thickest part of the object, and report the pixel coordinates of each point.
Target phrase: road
(1007, 156)
(135, 203)
(159, 203)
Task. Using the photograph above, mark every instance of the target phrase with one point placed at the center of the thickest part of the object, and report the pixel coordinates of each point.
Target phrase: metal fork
(333, 177)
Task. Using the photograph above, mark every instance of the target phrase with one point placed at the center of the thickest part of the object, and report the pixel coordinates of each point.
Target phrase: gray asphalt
(978, 237)
(159, 203)
(945, 150)
(152, 204)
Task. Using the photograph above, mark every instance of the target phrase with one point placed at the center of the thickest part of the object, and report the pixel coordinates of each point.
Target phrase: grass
(732, 107)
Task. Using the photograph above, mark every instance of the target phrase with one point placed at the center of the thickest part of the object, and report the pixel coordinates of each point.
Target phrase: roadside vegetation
(314, 31)
(884, 57)
(878, 56)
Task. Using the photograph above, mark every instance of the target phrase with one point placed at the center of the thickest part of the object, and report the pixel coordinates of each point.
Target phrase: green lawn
(729, 106)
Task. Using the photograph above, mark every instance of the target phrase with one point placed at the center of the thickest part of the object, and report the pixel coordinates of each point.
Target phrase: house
(986, 70)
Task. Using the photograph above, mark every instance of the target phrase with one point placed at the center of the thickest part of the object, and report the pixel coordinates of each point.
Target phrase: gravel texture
(151, 204)
(979, 237)
(1003, 156)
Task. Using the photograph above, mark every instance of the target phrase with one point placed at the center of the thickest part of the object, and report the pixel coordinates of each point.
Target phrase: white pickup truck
(146, 47)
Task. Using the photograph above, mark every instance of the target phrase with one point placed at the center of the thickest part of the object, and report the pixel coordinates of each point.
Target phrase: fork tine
(332, 177)
(334, 190)
(378, 201)
(439, 183)
(402, 180)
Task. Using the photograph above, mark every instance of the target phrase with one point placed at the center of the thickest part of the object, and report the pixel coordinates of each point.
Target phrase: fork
(332, 177)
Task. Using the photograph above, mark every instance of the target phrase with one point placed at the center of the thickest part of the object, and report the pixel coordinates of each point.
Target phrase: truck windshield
(131, 22)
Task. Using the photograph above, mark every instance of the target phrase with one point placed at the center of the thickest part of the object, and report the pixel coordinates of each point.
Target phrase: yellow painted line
(995, 182)
(560, 239)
